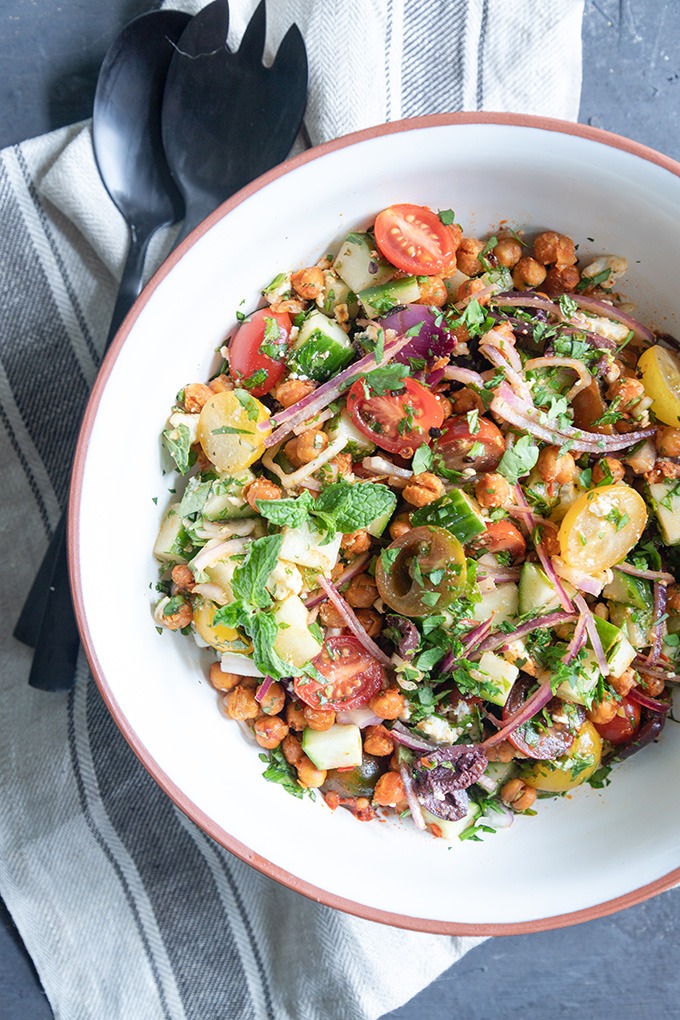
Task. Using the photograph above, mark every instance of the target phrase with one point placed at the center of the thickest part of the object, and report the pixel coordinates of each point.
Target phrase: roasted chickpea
(292, 749)
(493, 490)
(528, 273)
(388, 704)
(330, 616)
(561, 278)
(652, 685)
(432, 291)
(467, 260)
(445, 404)
(320, 719)
(466, 400)
(195, 396)
(557, 467)
(668, 441)
(504, 752)
(221, 680)
(603, 712)
(220, 383)
(270, 731)
(309, 775)
(263, 489)
(624, 683)
(241, 703)
(295, 716)
(423, 489)
(274, 700)
(400, 525)
(362, 592)
(356, 543)
(378, 741)
(289, 392)
(508, 252)
(308, 283)
(673, 600)
(517, 795)
(178, 620)
(472, 289)
(309, 445)
(370, 621)
(182, 575)
(389, 790)
(608, 469)
(551, 248)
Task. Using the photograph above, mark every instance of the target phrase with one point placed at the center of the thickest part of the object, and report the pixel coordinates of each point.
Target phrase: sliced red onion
(361, 717)
(603, 308)
(546, 562)
(463, 375)
(500, 576)
(261, 692)
(402, 735)
(595, 642)
(538, 700)
(496, 339)
(497, 815)
(411, 796)
(603, 343)
(649, 575)
(584, 376)
(660, 599)
(433, 340)
(500, 640)
(383, 466)
(526, 299)
(577, 641)
(286, 420)
(409, 638)
(584, 582)
(507, 405)
(660, 671)
(352, 622)
(653, 704)
(475, 636)
(498, 360)
(317, 597)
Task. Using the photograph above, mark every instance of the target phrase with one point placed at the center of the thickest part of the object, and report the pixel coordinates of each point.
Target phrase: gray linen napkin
(127, 908)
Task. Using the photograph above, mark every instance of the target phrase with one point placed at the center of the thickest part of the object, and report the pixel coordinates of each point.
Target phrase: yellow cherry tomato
(661, 379)
(571, 769)
(228, 430)
(219, 637)
(601, 527)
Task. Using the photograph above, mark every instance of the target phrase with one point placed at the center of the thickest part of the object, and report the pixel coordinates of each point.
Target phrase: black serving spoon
(226, 117)
(126, 129)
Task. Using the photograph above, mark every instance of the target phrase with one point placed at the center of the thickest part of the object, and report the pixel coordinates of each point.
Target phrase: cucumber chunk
(380, 299)
(496, 775)
(342, 427)
(617, 648)
(336, 748)
(322, 348)
(536, 592)
(359, 263)
(635, 623)
(336, 292)
(456, 512)
(173, 544)
(496, 676)
(666, 503)
(499, 604)
(452, 830)
(632, 591)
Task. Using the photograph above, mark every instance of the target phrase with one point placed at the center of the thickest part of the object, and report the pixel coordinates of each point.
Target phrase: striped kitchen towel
(128, 910)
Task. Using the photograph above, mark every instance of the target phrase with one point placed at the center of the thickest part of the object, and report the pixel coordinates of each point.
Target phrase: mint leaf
(178, 444)
(422, 459)
(258, 378)
(568, 306)
(447, 216)
(251, 576)
(291, 512)
(235, 614)
(194, 498)
(262, 629)
(519, 459)
(274, 340)
(386, 379)
(279, 771)
(352, 507)
(249, 404)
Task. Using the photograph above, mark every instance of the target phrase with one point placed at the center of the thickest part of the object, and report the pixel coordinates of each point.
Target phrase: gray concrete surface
(618, 968)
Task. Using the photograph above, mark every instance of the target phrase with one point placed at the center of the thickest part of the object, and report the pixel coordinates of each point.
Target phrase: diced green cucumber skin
(334, 748)
(580, 692)
(336, 292)
(343, 427)
(321, 349)
(378, 300)
(536, 592)
(635, 623)
(616, 646)
(355, 260)
(496, 775)
(666, 501)
(455, 512)
(451, 830)
(376, 527)
(173, 544)
(632, 591)
(498, 673)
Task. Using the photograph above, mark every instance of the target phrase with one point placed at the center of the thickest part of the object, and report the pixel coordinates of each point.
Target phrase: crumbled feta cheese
(285, 579)
(438, 729)
(190, 420)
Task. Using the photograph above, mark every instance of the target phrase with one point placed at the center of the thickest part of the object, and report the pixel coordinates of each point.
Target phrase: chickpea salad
(431, 523)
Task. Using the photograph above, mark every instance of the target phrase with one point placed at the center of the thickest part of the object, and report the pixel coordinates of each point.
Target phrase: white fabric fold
(127, 909)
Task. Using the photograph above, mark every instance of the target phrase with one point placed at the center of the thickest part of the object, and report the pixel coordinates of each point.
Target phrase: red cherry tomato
(353, 676)
(397, 422)
(621, 728)
(480, 447)
(537, 739)
(257, 371)
(415, 240)
(501, 536)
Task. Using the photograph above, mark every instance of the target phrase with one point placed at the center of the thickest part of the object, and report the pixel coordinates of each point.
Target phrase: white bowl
(582, 856)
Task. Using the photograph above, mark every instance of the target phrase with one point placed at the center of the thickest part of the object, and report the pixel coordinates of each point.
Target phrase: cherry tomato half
(353, 676)
(501, 536)
(246, 357)
(426, 569)
(542, 737)
(621, 728)
(461, 447)
(397, 422)
(415, 240)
